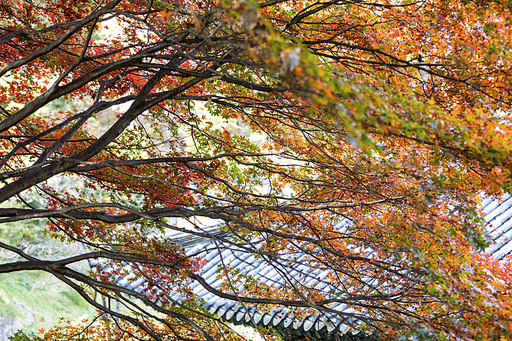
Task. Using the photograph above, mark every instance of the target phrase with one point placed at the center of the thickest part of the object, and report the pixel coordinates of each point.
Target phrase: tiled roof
(328, 326)
(498, 215)
(325, 326)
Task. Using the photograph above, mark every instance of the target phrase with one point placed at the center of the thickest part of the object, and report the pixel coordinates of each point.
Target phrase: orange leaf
(166, 13)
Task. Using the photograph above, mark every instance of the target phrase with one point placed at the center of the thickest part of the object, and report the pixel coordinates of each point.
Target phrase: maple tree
(392, 117)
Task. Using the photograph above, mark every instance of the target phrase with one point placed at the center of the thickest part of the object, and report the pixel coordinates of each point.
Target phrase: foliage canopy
(391, 116)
